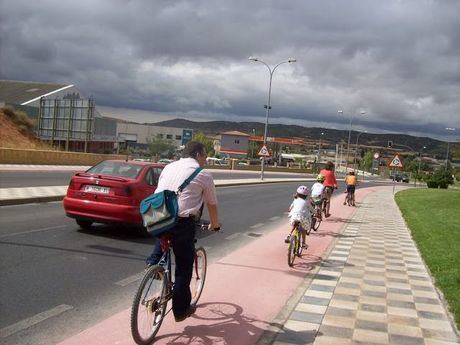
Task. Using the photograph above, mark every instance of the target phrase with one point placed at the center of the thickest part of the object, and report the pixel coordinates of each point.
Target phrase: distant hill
(330, 138)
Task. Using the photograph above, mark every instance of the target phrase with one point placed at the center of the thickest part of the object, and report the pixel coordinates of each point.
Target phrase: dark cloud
(397, 60)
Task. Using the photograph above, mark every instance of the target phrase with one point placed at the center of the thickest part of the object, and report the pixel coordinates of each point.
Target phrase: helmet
(320, 178)
(302, 190)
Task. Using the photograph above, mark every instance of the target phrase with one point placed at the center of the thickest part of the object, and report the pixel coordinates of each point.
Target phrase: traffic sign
(264, 152)
(376, 155)
(396, 162)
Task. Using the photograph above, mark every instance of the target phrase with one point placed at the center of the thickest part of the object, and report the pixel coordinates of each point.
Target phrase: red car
(110, 192)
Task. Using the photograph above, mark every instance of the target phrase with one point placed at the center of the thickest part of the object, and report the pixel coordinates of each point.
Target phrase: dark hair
(192, 149)
(301, 196)
(352, 172)
(329, 165)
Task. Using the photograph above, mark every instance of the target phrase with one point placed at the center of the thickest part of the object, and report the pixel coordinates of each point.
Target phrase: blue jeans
(183, 245)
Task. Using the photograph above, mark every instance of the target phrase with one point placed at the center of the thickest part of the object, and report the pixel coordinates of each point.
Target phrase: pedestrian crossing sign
(396, 162)
(264, 152)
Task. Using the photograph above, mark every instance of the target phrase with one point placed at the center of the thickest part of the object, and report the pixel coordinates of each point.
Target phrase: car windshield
(122, 169)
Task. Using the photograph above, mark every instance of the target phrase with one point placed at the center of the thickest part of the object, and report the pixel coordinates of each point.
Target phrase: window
(178, 137)
(168, 136)
(237, 141)
(152, 176)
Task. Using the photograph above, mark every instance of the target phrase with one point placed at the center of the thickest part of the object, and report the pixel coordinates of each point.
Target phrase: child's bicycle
(156, 289)
(295, 244)
(317, 217)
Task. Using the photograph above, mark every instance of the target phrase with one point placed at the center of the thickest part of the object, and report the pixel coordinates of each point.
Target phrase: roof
(18, 92)
(241, 134)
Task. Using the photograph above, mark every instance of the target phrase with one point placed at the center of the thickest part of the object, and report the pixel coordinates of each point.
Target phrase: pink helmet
(302, 190)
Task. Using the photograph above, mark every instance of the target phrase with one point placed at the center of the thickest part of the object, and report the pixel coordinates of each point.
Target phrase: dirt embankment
(17, 131)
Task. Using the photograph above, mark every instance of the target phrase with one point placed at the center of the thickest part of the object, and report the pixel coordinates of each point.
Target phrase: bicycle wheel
(198, 275)
(292, 249)
(317, 222)
(149, 306)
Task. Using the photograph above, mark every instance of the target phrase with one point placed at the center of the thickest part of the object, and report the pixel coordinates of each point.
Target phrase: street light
(267, 106)
(419, 164)
(448, 142)
(253, 143)
(349, 136)
(356, 149)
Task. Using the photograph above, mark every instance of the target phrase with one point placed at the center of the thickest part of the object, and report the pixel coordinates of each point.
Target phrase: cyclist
(351, 181)
(317, 192)
(300, 211)
(330, 183)
(201, 189)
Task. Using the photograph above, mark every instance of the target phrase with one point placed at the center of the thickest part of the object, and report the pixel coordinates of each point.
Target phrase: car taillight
(125, 191)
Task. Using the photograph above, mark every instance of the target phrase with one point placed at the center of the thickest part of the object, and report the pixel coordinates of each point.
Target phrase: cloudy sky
(399, 61)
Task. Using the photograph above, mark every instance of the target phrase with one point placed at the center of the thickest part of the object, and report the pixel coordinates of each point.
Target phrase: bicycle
(316, 217)
(156, 290)
(350, 198)
(295, 244)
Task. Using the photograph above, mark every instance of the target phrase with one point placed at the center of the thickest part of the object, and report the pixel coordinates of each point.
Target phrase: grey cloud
(398, 60)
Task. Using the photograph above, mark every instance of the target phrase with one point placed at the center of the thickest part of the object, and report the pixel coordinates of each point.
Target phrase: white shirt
(200, 190)
(300, 211)
(317, 190)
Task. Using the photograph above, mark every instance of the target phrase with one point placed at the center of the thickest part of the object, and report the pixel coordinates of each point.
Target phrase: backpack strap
(188, 180)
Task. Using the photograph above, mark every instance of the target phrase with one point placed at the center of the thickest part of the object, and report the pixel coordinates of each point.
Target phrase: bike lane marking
(244, 291)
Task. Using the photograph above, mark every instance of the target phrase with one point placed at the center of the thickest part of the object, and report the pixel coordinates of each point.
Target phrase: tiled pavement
(372, 289)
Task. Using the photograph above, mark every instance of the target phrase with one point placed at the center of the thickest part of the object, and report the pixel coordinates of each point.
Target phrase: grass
(433, 217)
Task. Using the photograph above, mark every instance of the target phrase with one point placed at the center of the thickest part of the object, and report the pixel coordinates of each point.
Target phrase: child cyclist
(351, 181)
(300, 211)
(318, 194)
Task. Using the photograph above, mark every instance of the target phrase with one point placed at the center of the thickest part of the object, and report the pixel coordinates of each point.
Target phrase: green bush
(432, 184)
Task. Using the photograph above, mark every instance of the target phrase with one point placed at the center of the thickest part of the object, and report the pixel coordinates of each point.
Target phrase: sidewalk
(361, 281)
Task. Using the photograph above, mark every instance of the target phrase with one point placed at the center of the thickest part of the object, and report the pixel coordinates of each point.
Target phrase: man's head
(196, 150)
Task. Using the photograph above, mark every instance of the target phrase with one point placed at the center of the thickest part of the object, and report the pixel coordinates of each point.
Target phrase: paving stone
(371, 325)
(315, 300)
(306, 316)
(405, 340)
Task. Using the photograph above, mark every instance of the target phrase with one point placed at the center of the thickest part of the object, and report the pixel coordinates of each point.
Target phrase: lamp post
(419, 164)
(253, 143)
(448, 142)
(267, 106)
(319, 148)
(349, 136)
(356, 149)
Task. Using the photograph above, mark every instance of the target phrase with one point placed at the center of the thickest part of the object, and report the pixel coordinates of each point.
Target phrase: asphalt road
(23, 178)
(49, 265)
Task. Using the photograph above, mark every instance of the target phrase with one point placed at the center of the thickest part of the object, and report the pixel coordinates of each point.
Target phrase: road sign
(264, 152)
(376, 155)
(396, 162)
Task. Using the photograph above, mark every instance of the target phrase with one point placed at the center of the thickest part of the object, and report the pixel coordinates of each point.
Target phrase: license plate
(97, 189)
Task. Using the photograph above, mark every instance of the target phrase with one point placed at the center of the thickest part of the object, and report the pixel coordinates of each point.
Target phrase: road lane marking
(130, 279)
(258, 225)
(33, 320)
(232, 237)
(274, 218)
(31, 231)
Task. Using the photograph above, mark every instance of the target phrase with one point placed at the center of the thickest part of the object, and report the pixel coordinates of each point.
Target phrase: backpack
(159, 211)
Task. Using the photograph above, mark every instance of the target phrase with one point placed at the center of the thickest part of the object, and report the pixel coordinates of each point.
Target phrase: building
(136, 135)
(233, 144)
(64, 117)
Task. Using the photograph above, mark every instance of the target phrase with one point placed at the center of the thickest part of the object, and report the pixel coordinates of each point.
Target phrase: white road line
(31, 321)
(258, 225)
(130, 279)
(31, 231)
(274, 218)
(232, 237)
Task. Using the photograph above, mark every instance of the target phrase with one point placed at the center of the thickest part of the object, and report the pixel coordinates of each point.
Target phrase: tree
(160, 147)
(366, 161)
(208, 143)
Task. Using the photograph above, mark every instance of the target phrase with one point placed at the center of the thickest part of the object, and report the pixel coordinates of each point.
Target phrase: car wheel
(84, 224)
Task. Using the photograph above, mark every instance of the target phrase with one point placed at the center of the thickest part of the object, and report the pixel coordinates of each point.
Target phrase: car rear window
(121, 169)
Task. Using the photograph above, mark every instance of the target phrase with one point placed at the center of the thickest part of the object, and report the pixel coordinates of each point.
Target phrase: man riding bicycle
(330, 183)
(201, 189)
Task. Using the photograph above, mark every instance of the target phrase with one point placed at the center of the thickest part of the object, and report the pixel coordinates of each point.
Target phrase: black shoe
(190, 311)
(287, 239)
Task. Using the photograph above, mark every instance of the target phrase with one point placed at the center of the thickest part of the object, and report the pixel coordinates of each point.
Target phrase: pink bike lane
(244, 291)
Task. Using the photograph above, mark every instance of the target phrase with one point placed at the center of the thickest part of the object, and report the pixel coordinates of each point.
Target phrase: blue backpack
(159, 211)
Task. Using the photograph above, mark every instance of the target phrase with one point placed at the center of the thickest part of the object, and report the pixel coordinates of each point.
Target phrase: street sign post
(264, 152)
(395, 163)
